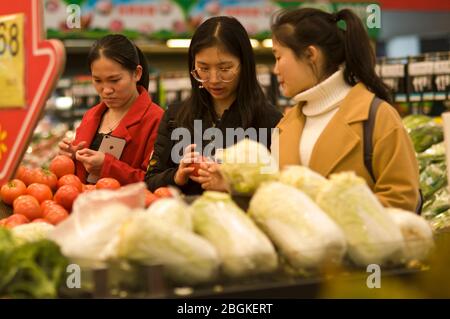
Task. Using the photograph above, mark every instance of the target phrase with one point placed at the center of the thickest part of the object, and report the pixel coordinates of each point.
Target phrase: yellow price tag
(12, 61)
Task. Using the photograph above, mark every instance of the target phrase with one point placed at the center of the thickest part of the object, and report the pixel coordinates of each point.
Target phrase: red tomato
(25, 174)
(88, 188)
(28, 206)
(196, 166)
(47, 203)
(149, 198)
(44, 176)
(3, 222)
(107, 183)
(66, 195)
(16, 220)
(51, 207)
(163, 192)
(40, 191)
(56, 214)
(11, 190)
(40, 220)
(62, 165)
(71, 180)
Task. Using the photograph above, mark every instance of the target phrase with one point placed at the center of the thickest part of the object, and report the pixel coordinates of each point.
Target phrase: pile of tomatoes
(46, 195)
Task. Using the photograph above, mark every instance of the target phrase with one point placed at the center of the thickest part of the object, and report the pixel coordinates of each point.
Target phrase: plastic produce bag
(434, 154)
(416, 232)
(242, 247)
(91, 233)
(172, 210)
(300, 230)
(372, 235)
(187, 257)
(437, 204)
(433, 178)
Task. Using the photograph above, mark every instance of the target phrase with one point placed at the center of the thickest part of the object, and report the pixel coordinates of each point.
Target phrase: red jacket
(139, 128)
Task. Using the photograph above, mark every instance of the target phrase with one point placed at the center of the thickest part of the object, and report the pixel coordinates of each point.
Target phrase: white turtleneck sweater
(322, 103)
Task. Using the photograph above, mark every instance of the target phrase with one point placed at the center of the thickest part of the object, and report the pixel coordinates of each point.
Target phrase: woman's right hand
(66, 147)
(184, 170)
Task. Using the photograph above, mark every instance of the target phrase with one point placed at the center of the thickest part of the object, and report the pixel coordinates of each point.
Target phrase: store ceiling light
(63, 103)
(254, 43)
(178, 43)
(267, 43)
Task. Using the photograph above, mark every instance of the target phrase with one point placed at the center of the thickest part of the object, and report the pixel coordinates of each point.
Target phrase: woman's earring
(200, 86)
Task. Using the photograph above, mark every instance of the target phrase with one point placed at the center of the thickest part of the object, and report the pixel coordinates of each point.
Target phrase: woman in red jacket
(120, 76)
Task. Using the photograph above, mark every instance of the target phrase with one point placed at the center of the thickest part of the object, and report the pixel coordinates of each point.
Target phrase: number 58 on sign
(12, 65)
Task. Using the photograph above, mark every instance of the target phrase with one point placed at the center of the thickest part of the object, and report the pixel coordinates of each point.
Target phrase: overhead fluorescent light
(267, 43)
(178, 43)
(63, 103)
(254, 43)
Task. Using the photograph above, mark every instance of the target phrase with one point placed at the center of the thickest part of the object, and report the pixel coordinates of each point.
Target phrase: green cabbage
(243, 248)
(187, 257)
(304, 179)
(301, 231)
(173, 211)
(246, 165)
(371, 233)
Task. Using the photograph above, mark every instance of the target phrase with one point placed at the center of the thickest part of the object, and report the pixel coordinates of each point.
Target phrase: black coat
(161, 170)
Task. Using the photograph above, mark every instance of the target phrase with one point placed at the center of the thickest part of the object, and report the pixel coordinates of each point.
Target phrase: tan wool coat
(340, 148)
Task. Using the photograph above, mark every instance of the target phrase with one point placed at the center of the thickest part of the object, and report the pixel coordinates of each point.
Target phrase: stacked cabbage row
(295, 216)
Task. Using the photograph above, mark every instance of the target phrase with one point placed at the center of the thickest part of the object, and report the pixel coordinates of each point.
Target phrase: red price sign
(29, 69)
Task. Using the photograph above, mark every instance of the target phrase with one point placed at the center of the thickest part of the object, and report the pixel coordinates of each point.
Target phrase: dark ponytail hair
(300, 28)
(118, 48)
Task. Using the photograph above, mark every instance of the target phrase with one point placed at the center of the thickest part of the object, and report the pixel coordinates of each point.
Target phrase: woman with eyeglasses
(225, 94)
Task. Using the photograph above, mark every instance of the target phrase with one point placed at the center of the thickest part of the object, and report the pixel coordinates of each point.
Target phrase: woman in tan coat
(329, 71)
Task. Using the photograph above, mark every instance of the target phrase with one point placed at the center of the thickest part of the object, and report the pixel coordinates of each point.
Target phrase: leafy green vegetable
(413, 121)
(437, 204)
(31, 270)
(434, 154)
(433, 178)
(426, 135)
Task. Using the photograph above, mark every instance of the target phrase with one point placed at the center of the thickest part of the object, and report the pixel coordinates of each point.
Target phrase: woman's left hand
(91, 160)
(210, 177)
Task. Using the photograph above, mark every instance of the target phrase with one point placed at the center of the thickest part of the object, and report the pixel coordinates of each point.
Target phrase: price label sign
(12, 61)
(30, 65)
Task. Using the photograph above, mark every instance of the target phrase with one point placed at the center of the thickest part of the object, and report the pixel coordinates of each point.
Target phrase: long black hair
(120, 49)
(300, 28)
(228, 34)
